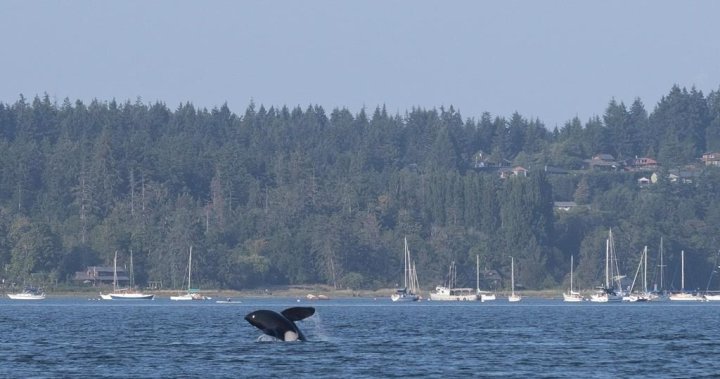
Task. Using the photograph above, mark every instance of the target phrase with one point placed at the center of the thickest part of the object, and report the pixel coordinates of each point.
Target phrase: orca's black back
(272, 324)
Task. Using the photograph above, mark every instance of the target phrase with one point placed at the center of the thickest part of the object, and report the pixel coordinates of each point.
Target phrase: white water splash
(313, 329)
(267, 338)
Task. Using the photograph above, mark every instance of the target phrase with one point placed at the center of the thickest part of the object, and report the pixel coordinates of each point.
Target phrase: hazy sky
(551, 60)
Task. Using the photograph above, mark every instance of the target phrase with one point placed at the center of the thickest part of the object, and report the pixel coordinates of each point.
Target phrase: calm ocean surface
(360, 338)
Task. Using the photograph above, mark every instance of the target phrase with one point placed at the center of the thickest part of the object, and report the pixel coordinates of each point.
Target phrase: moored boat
(131, 295)
(127, 293)
(712, 295)
(682, 295)
(482, 295)
(452, 293)
(612, 290)
(29, 293)
(513, 298)
(644, 295)
(572, 296)
(410, 283)
(190, 294)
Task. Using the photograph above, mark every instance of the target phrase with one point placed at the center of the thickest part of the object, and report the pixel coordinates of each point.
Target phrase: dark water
(360, 338)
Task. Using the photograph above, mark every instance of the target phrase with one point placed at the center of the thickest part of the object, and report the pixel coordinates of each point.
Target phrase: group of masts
(613, 289)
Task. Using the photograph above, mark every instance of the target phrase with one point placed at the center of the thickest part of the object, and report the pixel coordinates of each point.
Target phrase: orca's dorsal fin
(298, 313)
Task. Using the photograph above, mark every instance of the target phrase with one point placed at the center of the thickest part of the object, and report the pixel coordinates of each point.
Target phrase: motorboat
(452, 293)
(29, 293)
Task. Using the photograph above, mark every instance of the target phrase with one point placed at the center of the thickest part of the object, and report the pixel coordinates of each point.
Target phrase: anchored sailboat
(644, 294)
(712, 296)
(612, 291)
(126, 293)
(513, 297)
(410, 282)
(682, 295)
(482, 295)
(191, 294)
(572, 296)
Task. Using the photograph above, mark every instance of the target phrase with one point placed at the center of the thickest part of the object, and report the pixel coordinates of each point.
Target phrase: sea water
(358, 338)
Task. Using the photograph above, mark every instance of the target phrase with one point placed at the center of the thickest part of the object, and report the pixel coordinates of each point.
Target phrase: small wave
(267, 338)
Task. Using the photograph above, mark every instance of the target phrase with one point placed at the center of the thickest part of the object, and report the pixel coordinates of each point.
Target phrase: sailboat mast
(406, 264)
(662, 266)
(115, 272)
(452, 275)
(645, 271)
(512, 276)
(189, 268)
(414, 285)
(571, 274)
(132, 271)
(477, 273)
(607, 262)
(682, 268)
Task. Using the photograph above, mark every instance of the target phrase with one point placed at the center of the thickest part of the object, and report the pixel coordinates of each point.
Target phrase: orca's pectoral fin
(298, 313)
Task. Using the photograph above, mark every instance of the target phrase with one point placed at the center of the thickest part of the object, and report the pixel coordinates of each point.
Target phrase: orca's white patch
(290, 336)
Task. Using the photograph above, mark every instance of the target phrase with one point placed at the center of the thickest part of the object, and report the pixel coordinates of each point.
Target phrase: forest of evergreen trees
(280, 196)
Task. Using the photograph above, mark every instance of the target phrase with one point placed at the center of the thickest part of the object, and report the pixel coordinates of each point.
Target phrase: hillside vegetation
(280, 196)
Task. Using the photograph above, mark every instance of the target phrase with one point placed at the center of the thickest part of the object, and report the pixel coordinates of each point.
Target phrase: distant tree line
(280, 196)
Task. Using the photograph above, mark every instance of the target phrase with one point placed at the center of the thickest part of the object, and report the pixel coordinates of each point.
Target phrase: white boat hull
(453, 294)
(683, 296)
(439, 297)
(572, 297)
(514, 298)
(486, 296)
(404, 298)
(26, 296)
(712, 297)
(131, 296)
(604, 298)
(188, 297)
(635, 298)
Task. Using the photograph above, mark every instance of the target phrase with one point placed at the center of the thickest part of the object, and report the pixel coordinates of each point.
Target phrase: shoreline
(297, 291)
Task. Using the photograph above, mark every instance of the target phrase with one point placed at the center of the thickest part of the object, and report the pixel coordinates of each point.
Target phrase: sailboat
(682, 295)
(712, 296)
(612, 291)
(483, 296)
(572, 296)
(127, 293)
(513, 297)
(644, 294)
(190, 295)
(660, 293)
(410, 282)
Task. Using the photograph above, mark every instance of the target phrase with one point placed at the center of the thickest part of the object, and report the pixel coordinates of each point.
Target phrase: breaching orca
(281, 326)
